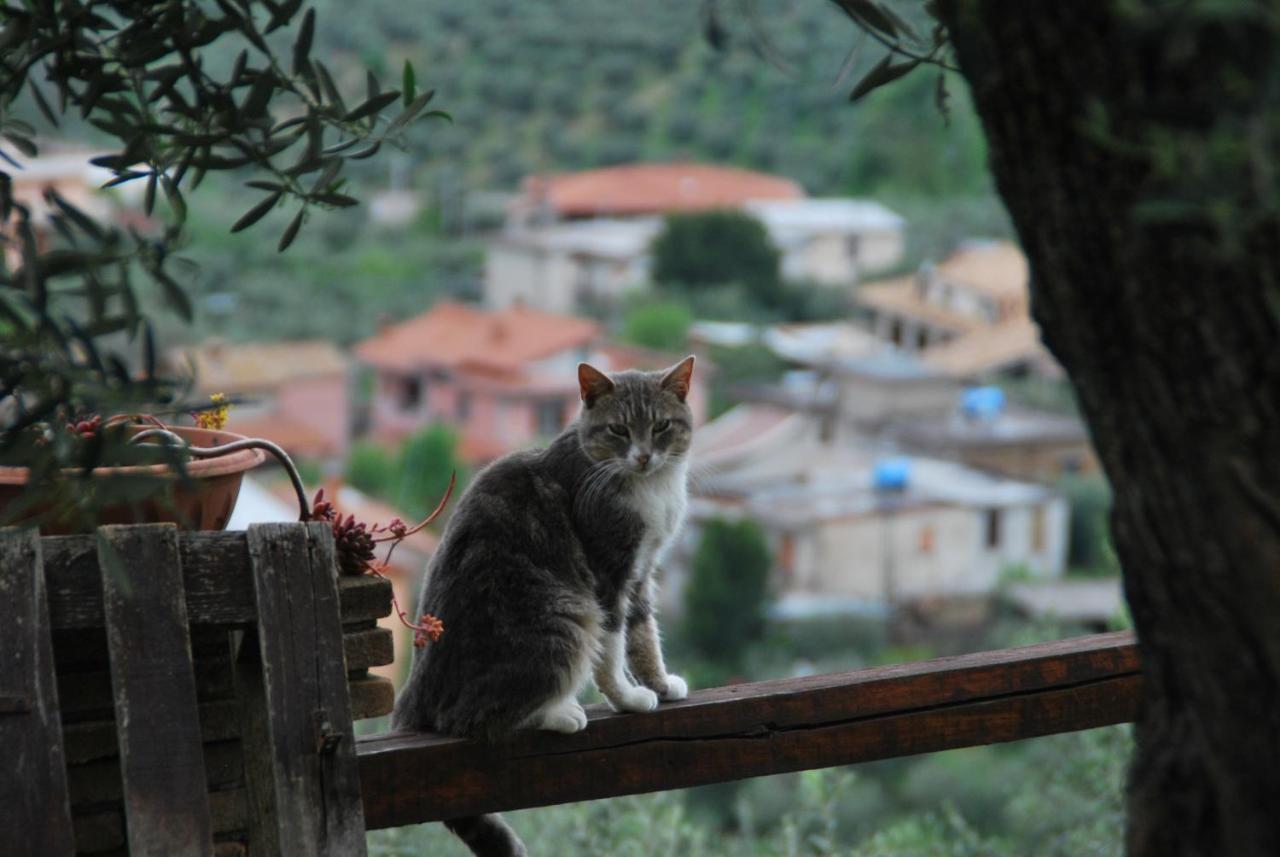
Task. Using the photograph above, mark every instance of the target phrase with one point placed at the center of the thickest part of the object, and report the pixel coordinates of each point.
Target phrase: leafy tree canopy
(714, 248)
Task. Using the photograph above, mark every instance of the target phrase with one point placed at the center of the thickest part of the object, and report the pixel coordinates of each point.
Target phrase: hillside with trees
(569, 84)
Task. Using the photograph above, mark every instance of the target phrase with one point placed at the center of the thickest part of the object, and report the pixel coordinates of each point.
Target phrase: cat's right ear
(592, 383)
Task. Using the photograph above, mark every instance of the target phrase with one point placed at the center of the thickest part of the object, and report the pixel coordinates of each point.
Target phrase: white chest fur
(660, 501)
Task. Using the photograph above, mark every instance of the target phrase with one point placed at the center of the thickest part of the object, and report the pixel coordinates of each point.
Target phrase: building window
(853, 247)
(895, 332)
(464, 407)
(993, 529)
(1038, 529)
(550, 417)
(411, 393)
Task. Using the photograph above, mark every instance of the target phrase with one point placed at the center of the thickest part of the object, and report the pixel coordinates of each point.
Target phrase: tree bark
(1134, 144)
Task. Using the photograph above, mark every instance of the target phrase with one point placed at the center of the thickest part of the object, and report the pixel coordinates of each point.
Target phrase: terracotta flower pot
(204, 501)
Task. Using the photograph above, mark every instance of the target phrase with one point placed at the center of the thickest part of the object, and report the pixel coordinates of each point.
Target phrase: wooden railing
(193, 694)
(769, 727)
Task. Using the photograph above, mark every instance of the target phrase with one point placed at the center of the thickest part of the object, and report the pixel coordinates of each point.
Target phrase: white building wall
(539, 278)
(879, 250)
(877, 556)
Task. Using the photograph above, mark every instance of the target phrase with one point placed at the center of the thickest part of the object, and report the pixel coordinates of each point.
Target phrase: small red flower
(429, 628)
(86, 428)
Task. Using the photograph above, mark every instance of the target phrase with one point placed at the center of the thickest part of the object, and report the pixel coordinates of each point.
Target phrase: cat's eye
(661, 425)
(619, 429)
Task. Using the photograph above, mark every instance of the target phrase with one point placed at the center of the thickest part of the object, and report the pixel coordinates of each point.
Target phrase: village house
(860, 385)
(504, 379)
(296, 394)
(983, 430)
(856, 521)
(967, 316)
(583, 239)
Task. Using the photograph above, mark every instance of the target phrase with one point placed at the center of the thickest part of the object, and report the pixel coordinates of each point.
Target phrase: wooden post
(161, 759)
(33, 789)
(300, 761)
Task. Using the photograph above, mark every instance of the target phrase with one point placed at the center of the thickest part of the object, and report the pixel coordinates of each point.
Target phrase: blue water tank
(982, 402)
(891, 474)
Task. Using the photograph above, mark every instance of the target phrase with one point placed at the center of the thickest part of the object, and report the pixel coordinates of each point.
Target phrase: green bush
(727, 592)
(1089, 537)
(662, 325)
(372, 469)
(427, 461)
(715, 248)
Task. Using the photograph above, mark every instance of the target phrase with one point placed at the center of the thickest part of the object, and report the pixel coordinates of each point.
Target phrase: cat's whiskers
(595, 480)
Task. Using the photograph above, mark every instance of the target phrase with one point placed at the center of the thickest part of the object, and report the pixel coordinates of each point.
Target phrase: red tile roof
(457, 336)
(635, 189)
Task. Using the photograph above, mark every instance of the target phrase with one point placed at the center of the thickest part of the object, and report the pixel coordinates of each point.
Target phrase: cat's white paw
(677, 688)
(568, 717)
(635, 699)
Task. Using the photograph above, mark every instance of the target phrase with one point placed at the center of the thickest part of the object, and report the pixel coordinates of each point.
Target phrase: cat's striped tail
(487, 836)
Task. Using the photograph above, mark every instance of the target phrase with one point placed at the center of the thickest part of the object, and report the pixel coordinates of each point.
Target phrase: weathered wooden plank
(33, 787)
(161, 759)
(303, 779)
(217, 580)
(102, 828)
(100, 779)
(757, 729)
(96, 739)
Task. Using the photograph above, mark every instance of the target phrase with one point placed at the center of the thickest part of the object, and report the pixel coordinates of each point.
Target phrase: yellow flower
(216, 416)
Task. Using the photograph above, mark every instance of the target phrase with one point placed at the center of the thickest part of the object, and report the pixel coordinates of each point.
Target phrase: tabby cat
(545, 576)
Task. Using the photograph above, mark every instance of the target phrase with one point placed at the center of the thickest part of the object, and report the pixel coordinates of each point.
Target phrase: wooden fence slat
(217, 579)
(161, 758)
(758, 729)
(33, 788)
(301, 768)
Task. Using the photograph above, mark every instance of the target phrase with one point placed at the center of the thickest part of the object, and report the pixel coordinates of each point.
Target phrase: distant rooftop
(782, 467)
(885, 365)
(638, 189)
(995, 268)
(818, 215)
(1012, 425)
(455, 335)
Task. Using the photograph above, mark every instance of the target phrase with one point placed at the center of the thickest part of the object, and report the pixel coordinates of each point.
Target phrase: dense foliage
(147, 77)
(414, 477)
(594, 87)
(717, 248)
(728, 590)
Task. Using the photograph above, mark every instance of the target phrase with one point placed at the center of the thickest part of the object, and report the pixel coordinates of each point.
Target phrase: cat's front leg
(611, 671)
(644, 648)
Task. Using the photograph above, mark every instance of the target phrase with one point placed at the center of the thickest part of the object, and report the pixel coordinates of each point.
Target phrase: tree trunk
(1135, 146)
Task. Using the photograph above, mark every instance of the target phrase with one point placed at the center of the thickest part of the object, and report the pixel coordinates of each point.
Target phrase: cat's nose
(642, 458)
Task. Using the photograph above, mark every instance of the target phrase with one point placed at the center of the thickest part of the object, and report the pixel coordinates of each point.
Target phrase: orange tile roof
(996, 268)
(457, 336)
(634, 189)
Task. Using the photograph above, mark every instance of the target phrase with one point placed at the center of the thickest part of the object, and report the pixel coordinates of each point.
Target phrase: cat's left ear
(678, 377)
(592, 383)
